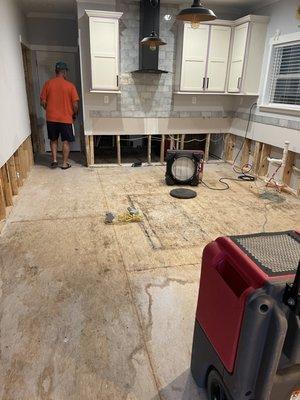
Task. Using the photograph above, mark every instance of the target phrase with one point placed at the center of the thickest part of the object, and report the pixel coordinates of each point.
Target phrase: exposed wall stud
(207, 145)
(119, 150)
(92, 152)
(149, 150)
(245, 152)
(87, 150)
(264, 163)
(13, 175)
(288, 169)
(182, 142)
(17, 157)
(229, 147)
(6, 186)
(2, 201)
(256, 157)
(162, 149)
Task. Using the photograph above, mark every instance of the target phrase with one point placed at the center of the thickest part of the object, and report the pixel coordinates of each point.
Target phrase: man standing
(60, 99)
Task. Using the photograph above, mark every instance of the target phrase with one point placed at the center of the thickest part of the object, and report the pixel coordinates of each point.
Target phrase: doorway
(45, 61)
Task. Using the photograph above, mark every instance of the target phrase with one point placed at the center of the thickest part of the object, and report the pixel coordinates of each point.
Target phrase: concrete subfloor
(93, 311)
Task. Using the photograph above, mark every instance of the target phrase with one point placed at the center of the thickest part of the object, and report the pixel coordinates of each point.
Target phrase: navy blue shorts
(66, 131)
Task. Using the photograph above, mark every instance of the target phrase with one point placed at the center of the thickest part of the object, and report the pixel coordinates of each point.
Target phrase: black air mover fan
(184, 167)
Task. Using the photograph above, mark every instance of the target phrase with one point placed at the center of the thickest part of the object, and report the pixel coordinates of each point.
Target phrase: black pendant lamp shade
(152, 41)
(196, 13)
(151, 8)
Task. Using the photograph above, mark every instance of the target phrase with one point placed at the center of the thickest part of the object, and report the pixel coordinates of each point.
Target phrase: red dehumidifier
(247, 331)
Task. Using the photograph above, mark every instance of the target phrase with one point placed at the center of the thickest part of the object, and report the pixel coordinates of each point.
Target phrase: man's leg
(53, 145)
(66, 152)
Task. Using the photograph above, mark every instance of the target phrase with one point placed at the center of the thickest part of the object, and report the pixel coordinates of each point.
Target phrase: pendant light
(153, 41)
(196, 13)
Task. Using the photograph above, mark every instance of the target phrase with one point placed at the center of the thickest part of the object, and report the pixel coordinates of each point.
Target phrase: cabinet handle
(239, 83)
(117, 80)
(207, 83)
(203, 84)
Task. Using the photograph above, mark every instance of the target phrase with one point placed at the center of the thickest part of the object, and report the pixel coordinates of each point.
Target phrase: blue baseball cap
(61, 66)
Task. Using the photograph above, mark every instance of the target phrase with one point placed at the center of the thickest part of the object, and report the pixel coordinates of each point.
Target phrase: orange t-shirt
(59, 95)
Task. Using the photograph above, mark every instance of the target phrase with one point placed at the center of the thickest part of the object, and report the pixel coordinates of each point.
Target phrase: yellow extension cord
(127, 217)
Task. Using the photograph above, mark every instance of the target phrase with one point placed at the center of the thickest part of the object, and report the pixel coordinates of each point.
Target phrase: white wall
(14, 121)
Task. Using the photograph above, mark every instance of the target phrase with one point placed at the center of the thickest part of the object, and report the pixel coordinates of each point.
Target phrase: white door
(46, 61)
(238, 56)
(104, 37)
(218, 58)
(194, 56)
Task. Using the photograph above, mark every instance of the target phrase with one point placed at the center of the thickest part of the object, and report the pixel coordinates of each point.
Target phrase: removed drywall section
(14, 121)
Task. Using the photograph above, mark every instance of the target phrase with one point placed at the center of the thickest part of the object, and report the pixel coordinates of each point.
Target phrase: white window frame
(264, 104)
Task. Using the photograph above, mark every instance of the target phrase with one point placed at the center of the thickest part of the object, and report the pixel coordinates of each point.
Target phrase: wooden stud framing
(182, 142)
(256, 157)
(17, 158)
(149, 150)
(87, 150)
(263, 163)
(177, 142)
(245, 152)
(172, 143)
(162, 149)
(207, 145)
(92, 151)
(229, 147)
(288, 169)
(13, 175)
(119, 150)
(2, 201)
(6, 186)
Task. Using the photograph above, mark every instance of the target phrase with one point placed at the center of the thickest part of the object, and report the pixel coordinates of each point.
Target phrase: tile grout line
(132, 300)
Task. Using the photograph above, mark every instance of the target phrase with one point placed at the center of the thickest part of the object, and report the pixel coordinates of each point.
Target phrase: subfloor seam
(132, 300)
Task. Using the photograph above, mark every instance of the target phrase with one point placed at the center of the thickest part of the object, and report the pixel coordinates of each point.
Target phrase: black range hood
(149, 22)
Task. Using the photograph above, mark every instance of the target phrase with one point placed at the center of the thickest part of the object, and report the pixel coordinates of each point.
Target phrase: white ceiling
(68, 6)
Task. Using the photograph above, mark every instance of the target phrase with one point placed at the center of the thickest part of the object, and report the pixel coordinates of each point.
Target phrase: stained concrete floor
(91, 311)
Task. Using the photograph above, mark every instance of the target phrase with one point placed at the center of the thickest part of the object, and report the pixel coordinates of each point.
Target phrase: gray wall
(52, 31)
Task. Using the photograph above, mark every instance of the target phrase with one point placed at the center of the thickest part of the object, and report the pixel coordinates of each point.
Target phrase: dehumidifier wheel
(215, 387)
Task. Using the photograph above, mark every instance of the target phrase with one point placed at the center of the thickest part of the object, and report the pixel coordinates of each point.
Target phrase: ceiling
(68, 6)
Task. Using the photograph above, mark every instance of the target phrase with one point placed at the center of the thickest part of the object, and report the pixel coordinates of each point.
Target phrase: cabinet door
(218, 58)
(195, 43)
(237, 59)
(104, 34)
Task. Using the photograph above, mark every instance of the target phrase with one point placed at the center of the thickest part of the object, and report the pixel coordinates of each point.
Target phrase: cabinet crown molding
(251, 18)
(104, 14)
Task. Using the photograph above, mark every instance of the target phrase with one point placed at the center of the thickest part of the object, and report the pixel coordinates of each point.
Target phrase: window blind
(285, 75)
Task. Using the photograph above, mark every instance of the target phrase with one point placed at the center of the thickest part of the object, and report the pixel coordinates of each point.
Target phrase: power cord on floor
(244, 170)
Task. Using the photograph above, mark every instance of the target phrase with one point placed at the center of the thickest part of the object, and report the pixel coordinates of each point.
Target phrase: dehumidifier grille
(275, 253)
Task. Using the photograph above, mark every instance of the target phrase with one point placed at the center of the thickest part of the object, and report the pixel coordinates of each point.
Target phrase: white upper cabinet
(238, 56)
(194, 57)
(222, 56)
(218, 58)
(104, 48)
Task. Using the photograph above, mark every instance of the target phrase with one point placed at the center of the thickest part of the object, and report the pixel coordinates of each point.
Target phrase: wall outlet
(106, 99)
(194, 100)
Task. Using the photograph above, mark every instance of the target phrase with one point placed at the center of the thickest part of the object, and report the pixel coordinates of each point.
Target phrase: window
(284, 86)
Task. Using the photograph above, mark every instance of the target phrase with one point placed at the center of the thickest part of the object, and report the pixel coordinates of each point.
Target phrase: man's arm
(43, 97)
(44, 104)
(75, 109)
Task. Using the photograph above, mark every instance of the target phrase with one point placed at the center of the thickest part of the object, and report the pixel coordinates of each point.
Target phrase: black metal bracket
(291, 296)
